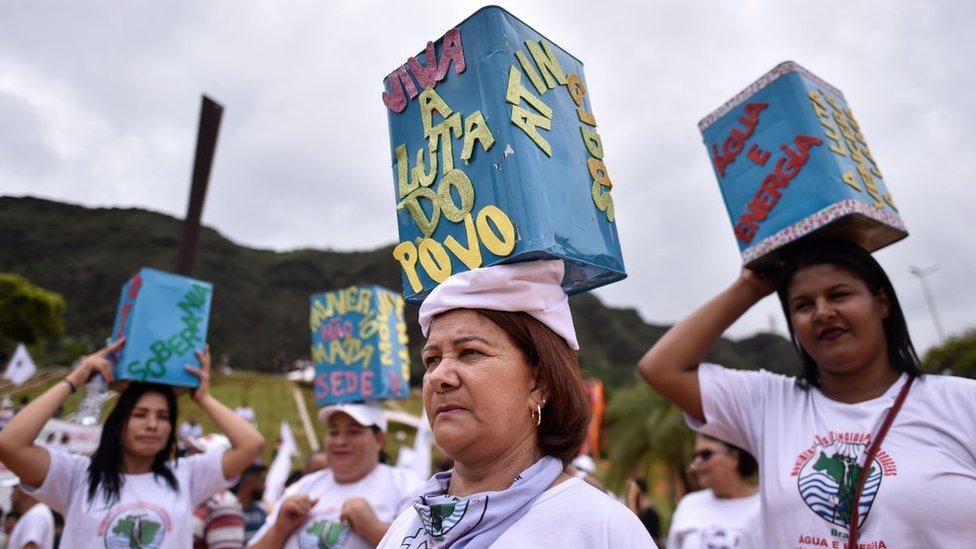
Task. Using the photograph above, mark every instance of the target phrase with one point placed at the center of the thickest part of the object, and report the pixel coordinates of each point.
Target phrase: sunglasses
(703, 455)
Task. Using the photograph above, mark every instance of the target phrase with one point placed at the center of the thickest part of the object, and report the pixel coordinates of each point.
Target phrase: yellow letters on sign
(470, 255)
(430, 101)
(529, 123)
(475, 129)
(603, 200)
(412, 204)
(418, 175)
(516, 92)
(576, 88)
(441, 138)
(460, 181)
(593, 143)
(531, 72)
(435, 260)
(406, 254)
(548, 64)
(502, 243)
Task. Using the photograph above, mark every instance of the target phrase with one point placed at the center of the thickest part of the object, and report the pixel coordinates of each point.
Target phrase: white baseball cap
(532, 287)
(366, 414)
(585, 463)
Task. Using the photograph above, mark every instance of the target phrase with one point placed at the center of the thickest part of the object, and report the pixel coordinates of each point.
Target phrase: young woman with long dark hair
(847, 450)
(129, 493)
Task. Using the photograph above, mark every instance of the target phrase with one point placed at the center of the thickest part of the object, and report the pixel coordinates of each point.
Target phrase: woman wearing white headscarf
(505, 400)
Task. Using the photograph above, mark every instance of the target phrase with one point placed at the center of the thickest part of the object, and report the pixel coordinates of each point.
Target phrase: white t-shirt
(568, 515)
(36, 525)
(387, 489)
(703, 521)
(919, 491)
(148, 512)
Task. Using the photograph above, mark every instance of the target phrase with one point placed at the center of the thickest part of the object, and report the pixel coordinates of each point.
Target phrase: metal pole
(922, 274)
(210, 113)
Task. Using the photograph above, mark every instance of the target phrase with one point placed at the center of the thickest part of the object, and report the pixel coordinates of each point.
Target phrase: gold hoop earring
(538, 417)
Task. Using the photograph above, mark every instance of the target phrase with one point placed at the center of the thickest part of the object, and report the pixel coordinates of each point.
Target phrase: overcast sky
(99, 104)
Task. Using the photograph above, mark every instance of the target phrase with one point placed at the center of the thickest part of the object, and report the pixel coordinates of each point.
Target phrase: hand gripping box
(791, 161)
(496, 158)
(164, 319)
(359, 345)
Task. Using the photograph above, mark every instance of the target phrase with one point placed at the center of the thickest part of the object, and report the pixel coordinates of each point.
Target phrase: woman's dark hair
(105, 470)
(852, 258)
(566, 415)
(747, 464)
(384, 459)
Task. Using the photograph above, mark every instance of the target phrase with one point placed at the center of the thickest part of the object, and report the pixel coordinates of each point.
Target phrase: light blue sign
(359, 345)
(496, 158)
(164, 319)
(791, 160)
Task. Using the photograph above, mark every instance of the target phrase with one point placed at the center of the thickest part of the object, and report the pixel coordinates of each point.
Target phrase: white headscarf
(532, 287)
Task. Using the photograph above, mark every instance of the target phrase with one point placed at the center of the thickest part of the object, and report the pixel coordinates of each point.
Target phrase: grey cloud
(304, 154)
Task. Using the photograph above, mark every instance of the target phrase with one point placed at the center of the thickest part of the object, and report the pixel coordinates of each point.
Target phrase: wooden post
(210, 113)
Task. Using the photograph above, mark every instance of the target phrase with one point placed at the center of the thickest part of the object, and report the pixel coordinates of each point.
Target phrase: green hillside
(260, 304)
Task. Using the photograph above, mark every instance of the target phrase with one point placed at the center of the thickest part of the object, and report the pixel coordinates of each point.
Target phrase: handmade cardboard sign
(359, 345)
(496, 158)
(164, 319)
(791, 160)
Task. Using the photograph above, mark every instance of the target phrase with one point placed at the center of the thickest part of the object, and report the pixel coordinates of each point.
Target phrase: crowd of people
(842, 453)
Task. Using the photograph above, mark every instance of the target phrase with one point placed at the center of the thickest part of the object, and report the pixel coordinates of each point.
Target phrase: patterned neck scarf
(476, 521)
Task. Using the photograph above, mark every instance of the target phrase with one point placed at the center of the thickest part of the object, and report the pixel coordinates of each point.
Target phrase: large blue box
(791, 161)
(496, 158)
(359, 345)
(164, 318)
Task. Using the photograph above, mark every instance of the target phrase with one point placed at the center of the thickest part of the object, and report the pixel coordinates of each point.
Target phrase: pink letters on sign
(338, 384)
(135, 286)
(401, 85)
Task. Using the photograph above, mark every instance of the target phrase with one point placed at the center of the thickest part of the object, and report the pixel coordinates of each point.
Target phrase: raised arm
(17, 449)
(671, 365)
(246, 442)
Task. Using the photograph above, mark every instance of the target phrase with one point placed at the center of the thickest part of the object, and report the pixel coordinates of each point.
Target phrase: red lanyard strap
(866, 468)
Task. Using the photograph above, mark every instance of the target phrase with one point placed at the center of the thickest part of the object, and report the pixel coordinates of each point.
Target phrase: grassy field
(271, 397)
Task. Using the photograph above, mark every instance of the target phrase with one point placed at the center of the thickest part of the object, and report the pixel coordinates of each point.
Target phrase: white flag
(21, 366)
(274, 483)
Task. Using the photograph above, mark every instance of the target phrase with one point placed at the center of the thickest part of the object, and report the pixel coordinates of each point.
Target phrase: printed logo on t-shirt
(720, 538)
(827, 474)
(139, 525)
(323, 534)
(439, 519)
(417, 540)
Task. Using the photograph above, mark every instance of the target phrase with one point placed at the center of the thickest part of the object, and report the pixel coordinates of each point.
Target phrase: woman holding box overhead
(129, 493)
(861, 399)
(505, 400)
(352, 502)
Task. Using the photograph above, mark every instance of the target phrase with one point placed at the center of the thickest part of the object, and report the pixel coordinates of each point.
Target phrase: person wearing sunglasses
(848, 449)
(720, 514)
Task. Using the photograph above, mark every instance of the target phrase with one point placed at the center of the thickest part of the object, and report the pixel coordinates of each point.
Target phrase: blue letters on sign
(791, 159)
(496, 158)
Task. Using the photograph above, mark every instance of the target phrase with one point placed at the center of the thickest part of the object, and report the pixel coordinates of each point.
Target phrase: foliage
(28, 313)
(956, 356)
(260, 304)
(645, 432)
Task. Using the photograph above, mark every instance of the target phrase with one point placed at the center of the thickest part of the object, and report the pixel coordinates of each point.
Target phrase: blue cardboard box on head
(164, 318)
(359, 345)
(496, 158)
(791, 161)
